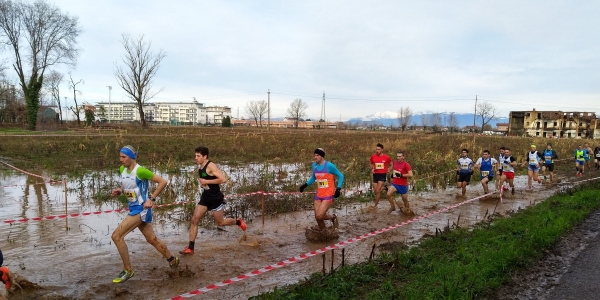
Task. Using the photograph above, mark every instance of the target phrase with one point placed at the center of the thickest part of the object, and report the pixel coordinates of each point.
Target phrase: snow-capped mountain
(381, 115)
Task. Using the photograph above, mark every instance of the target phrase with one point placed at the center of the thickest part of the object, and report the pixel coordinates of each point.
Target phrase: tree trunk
(32, 100)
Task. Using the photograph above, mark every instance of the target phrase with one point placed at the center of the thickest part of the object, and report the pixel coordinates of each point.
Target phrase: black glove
(457, 172)
(338, 191)
(302, 187)
(471, 173)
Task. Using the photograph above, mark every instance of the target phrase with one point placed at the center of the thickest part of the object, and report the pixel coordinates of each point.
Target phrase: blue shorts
(533, 168)
(587, 158)
(145, 213)
(580, 162)
(489, 177)
(401, 189)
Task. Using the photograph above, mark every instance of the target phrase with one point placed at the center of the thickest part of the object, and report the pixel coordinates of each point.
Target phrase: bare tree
(136, 77)
(257, 110)
(435, 120)
(424, 121)
(52, 83)
(404, 117)
(452, 122)
(486, 112)
(40, 36)
(297, 110)
(76, 110)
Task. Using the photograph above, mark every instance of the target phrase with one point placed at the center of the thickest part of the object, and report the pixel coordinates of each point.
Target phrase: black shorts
(212, 203)
(489, 177)
(550, 167)
(379, 177)
(464, 177)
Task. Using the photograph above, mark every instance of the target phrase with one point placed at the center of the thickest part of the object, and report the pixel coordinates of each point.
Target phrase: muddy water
(75, 257)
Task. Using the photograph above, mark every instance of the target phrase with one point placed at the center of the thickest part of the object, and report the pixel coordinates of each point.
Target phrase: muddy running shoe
(242, 224)
(187, 251)
(392, 209)
(512, 192)
(335, 221)
(539, 181)
(504, 188)
(123, 276)
(5, 278)
(174, 263)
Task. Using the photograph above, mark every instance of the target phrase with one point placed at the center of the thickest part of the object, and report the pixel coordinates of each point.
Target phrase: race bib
(485, 173)
(464, 166)
(130, 194)
(322, 183)
(598, 155)
(379, 166)
(548, 157)
(533, 162)
(506, 165)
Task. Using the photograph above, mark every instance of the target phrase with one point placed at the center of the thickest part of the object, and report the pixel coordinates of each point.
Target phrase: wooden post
(332, 255)
(324, 271)
(66, 204)
(262, 196)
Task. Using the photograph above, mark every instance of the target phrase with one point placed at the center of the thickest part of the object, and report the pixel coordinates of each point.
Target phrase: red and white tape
(31, 174)
(306, 255)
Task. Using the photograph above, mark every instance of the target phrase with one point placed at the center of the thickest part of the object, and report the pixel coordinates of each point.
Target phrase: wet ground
(75, 257)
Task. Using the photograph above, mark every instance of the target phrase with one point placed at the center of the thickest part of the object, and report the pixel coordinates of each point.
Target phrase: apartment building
(554, 124)
(192, 112)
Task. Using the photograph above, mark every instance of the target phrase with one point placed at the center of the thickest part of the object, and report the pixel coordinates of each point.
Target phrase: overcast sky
(367, 56)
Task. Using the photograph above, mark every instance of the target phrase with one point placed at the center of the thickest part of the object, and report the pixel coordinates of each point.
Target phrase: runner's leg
(218, 215)
(148, 232)
(199, 212)
(321, 214)
(118, 237)
(377, 187)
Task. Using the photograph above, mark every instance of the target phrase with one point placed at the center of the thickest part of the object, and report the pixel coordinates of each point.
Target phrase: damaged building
(550, 124)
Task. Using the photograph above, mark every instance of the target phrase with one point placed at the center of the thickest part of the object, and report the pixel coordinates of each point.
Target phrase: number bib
(379, 166)
(464, 166)
(130, 194)
(322, 183)
(485, 173)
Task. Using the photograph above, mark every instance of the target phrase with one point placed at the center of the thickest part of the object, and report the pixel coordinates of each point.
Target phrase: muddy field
(74, 258)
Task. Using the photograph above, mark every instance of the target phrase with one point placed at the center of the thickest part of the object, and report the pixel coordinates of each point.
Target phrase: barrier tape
(306, 255)
(31, 174)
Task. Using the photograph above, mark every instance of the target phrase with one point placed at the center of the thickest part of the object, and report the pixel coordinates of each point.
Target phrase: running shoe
(187, 251)
(174, 263)
(123, 276)
(5, 278)
(539, 181)
(504, 188)
(512, 192)
(335, 221)
(391, 210)
(242, 224)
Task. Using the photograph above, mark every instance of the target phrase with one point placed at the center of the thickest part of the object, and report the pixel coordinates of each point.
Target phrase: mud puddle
(81, 262)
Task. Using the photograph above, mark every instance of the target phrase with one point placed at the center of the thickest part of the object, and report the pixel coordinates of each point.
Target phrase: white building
(164, 112)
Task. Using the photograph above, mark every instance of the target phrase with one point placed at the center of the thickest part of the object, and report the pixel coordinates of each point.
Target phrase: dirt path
(80, 263)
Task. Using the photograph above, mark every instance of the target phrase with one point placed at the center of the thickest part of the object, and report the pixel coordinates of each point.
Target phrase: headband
(125, 150)
(320, 152)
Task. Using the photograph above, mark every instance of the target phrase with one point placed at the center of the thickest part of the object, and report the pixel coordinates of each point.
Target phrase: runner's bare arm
(213, 170)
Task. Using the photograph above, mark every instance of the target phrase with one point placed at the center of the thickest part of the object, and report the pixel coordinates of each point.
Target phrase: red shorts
(509, 175)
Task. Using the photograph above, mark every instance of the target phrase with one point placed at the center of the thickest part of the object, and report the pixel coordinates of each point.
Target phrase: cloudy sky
(367, 56)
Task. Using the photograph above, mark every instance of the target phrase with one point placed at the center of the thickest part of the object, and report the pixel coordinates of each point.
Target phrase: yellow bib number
(130, 194)
(323, 184)
(464, 166)
(485, 173)
(379, 166)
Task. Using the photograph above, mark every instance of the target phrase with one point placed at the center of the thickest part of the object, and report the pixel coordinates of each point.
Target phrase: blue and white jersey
(533, 158)
(465, 164)
(500, 161)
(506, 164)
(136, 191)
(549, 156)
(486, 166)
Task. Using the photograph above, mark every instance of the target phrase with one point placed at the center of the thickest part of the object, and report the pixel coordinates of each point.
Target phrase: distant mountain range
(388, 118)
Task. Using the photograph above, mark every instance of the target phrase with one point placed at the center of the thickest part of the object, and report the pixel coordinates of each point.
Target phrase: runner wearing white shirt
(464, 168)
(533, 159)
(500, 161)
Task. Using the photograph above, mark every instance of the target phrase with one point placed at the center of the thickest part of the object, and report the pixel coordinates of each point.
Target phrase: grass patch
(463, 264)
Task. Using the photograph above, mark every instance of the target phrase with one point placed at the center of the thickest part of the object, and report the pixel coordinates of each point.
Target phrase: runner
(549, 157)
(487, 166)
(4, 274)
(500, 162)
(597, 157)
(134, 185)
(587, 155)
(464, 169)
(579, 160)
(380, 164)
(508, 170)
(323, 173)
(212, 199)
(401, 170)
(533, 158)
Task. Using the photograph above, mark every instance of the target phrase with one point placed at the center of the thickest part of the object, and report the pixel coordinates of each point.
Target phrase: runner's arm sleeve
(540, 155)
(311, 180)
(143, 173)
(332, 169)
(527, 155)
(121, 169)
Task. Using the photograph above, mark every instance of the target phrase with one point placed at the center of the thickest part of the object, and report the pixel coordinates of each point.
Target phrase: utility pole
(109, 105)
(269, 110)
(475, 114)
(323, 110)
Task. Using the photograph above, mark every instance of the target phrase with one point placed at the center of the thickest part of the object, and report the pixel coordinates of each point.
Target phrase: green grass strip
(463, 264)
